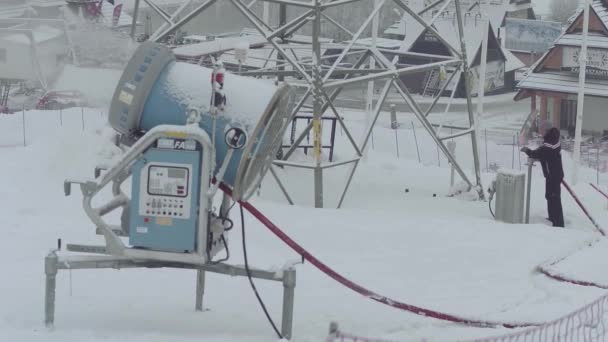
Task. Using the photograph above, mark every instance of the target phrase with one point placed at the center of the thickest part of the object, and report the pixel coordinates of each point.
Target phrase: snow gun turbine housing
(155, 89)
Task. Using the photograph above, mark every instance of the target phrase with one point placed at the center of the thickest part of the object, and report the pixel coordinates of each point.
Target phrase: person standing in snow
(549, 155)
(217, 82)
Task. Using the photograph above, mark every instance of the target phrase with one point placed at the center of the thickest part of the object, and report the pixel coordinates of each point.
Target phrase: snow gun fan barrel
(155, 89)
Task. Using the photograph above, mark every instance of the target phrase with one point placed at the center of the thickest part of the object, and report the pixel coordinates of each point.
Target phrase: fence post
(397, 143)
(438, 160)
(486, 142)
(23, 124)
(416, 141)
(82, 117)
(518, 154)
(452, 148)
(395, 126)
(513, 154)
(597, 164)
(60, 116)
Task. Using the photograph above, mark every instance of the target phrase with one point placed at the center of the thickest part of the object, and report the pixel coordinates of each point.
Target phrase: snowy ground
(441, 253)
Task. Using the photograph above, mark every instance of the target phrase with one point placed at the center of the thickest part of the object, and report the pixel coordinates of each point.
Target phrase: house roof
(563, 82)
(566, 82)
(496, 10)
(448, 29)
(383, 43)
(512, 63)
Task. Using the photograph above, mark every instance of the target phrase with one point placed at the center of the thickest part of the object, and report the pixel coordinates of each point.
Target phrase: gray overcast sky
(541, 6)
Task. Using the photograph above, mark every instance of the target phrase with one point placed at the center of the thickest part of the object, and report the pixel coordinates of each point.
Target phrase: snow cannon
(246, 132)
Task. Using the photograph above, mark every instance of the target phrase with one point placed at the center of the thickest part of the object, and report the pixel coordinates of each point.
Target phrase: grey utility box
(510, 190)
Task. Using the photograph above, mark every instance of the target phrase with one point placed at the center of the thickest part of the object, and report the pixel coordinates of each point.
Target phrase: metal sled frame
(115, 254)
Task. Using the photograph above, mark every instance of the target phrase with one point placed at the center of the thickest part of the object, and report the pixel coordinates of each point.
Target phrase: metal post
(530, 164)
(82, 117)
(134, 23)
(465, 70)
(486, 141)
(438, 159)
(481, 92)
(369, 107)
(513, 154)
(61, 116)
(394, 123)
(416, 141)
(597, 164)
(50, 269)
(397, 143)
(317, 105)
(452, 148)
(581, 94)
(282, 22)
(200, 289)
(519, 154)
(23, 124)
(289, 285)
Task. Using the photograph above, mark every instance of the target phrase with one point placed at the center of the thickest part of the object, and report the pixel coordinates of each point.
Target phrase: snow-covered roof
(217, 45)
(495, 10)
(295, 38)
(563, 82)
(383, 43)
(512, 63)
(40, 34)
(13, 11)
(593, 40)
(448, 29)
(398, 28)
(47, 3)
(130, 4)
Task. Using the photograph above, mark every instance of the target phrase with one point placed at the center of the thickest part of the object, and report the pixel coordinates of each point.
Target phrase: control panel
(168, 191)
(165, 191)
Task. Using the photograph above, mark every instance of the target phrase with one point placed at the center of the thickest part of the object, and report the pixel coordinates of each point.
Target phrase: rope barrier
(580, 204)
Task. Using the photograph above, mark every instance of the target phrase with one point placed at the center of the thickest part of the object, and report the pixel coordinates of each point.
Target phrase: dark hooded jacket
(549, 155)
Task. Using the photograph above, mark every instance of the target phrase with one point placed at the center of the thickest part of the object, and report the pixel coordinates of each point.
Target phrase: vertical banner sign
(116, 15)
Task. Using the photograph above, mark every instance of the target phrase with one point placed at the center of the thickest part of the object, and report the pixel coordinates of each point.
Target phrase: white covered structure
(33, 51)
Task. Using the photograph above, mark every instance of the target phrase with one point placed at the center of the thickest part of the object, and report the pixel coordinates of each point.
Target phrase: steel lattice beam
(323, 89)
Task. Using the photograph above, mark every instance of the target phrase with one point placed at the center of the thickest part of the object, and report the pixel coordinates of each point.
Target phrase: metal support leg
(50, 268)
(200, 289)
(289, 286)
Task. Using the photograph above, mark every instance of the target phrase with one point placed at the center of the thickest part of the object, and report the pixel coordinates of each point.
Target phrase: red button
(146, 220)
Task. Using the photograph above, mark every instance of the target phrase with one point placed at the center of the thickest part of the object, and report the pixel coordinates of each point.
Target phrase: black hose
(255, 290)
(490, 206)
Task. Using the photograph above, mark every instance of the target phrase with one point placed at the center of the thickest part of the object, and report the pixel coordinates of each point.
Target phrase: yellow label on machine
(125, 97)
(180, 135)
(164, 221)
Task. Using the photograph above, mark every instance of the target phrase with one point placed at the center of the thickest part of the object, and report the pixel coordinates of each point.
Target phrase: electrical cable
(255, 290)
(490, 206)
(227, 257)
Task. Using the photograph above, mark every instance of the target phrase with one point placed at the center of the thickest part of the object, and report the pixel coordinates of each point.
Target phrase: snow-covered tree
(562, 10)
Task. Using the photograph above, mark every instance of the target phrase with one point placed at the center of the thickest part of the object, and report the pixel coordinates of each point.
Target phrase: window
(2, 55)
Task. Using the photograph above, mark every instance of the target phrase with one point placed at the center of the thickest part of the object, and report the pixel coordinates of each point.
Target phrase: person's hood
(551, 138)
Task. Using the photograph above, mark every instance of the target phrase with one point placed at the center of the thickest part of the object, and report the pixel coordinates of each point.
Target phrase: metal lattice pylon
(324, 90)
